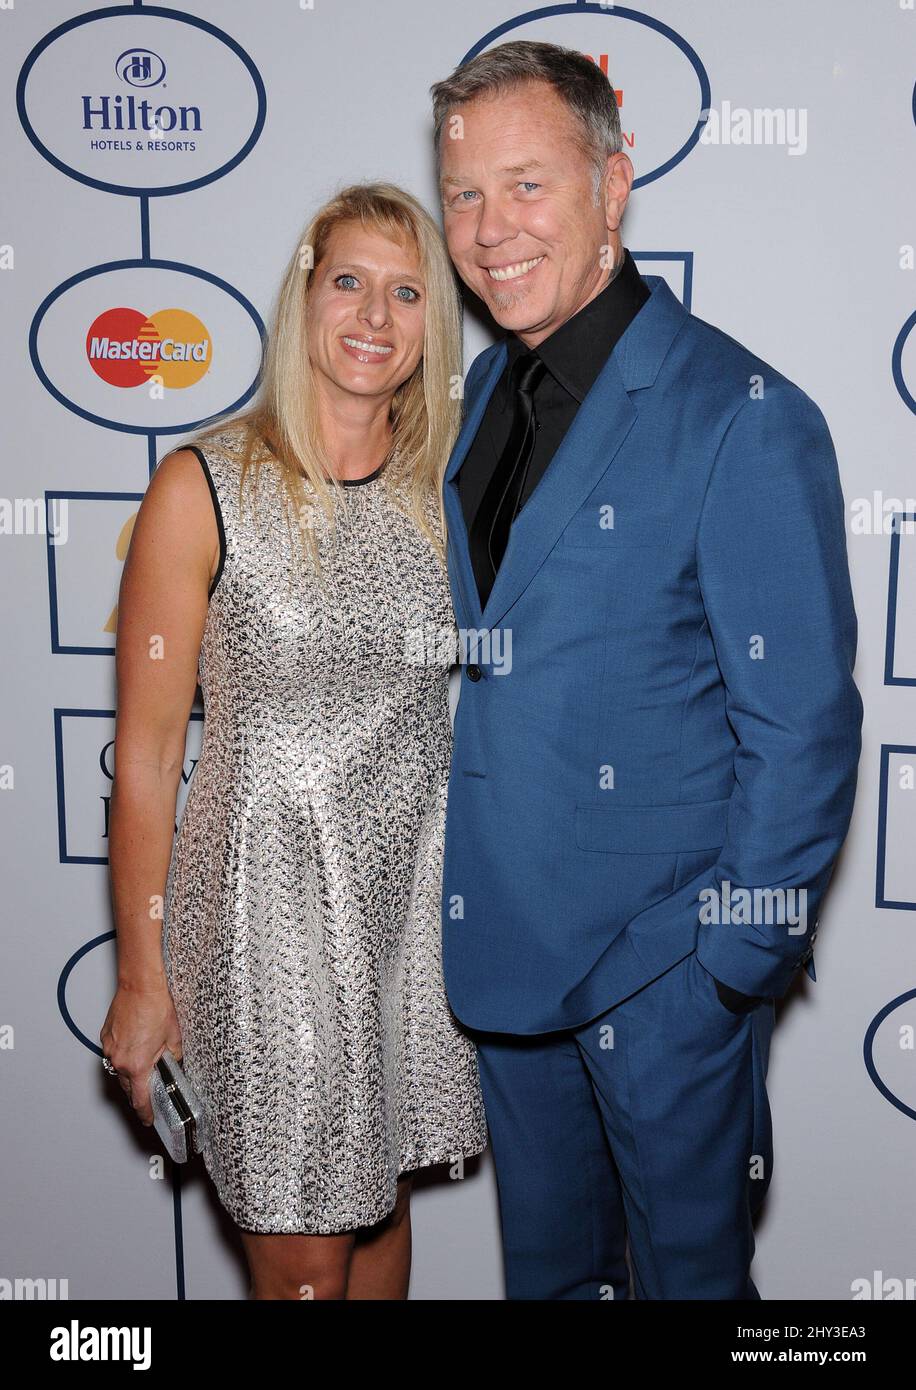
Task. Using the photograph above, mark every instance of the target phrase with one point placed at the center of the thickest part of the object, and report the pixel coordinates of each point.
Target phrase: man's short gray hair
(575, 79)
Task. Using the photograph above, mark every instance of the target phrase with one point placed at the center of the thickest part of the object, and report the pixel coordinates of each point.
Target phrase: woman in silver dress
(293, 559)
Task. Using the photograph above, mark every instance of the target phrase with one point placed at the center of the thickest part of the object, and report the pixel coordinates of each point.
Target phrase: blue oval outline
(62, 989)
(619, 12)
(156, 11)
(897, 363)
(133, 264)
(870, 1067)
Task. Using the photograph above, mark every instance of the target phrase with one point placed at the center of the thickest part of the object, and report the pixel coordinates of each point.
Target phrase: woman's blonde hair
(425, 410)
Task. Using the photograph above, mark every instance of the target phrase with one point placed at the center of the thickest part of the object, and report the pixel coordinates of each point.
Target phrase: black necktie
(489, 533)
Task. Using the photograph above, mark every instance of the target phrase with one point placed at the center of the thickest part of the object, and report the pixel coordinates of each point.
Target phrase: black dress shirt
(573, 355)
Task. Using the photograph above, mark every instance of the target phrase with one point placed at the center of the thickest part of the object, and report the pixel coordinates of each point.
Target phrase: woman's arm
(162, 610)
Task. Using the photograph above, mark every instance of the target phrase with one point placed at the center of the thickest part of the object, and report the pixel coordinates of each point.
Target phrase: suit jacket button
(474, 673)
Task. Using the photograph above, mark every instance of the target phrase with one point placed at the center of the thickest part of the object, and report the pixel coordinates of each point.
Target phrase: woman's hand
(140, 1025)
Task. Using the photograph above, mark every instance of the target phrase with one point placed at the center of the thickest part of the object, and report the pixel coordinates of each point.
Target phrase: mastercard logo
(127, 348)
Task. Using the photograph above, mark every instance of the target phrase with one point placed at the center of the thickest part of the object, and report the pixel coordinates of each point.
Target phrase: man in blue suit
(657, 736)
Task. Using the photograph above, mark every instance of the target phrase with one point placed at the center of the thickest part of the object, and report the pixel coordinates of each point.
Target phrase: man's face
(519, 210)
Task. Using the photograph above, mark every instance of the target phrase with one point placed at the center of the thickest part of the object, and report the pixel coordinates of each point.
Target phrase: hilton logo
(140, 67)
(120, 113)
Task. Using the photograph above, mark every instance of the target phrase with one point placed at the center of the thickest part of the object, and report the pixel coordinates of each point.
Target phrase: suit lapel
(600, 426)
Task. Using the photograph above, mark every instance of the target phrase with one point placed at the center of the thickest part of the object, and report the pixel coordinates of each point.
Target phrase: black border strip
(219, 517)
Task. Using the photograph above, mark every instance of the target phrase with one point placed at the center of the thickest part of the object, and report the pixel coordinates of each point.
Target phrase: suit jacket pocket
(646, 845)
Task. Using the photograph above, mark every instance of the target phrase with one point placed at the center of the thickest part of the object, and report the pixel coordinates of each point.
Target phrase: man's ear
(617, 182)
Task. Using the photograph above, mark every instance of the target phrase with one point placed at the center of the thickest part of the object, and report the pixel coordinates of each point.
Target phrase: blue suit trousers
(648, 1128)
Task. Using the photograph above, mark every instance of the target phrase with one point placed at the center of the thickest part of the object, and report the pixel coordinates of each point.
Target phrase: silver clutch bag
(178, 1115)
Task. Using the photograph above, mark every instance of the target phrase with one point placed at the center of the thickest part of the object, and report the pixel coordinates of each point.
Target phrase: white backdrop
(791, 229)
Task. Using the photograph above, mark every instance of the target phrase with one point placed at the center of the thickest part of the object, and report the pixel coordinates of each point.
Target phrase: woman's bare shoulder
(179, 480)
(177, 514)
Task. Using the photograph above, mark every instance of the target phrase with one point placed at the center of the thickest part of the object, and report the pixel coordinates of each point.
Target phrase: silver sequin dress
(302, 911)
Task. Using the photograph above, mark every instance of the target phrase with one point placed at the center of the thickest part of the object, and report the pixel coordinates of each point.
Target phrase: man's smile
(514, 270)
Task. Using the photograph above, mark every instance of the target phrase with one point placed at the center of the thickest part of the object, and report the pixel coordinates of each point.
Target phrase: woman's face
(366, 312)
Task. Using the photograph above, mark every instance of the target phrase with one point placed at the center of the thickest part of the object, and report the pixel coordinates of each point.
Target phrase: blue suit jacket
(679, 711)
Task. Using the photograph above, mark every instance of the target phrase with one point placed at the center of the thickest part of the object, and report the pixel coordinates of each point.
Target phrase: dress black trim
(219, 517)
(357, 482)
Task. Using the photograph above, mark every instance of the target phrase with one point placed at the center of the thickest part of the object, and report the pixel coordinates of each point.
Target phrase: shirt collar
(575, 353)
